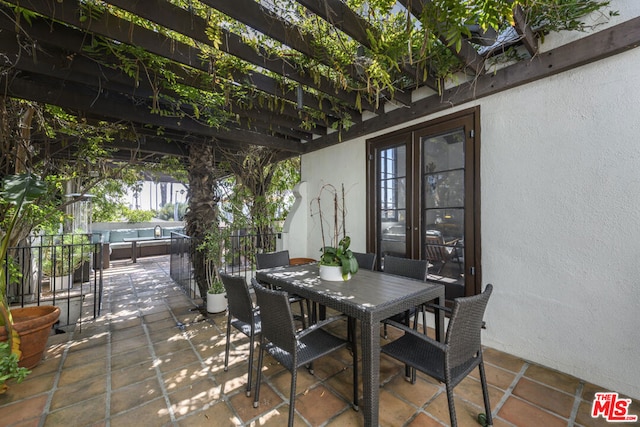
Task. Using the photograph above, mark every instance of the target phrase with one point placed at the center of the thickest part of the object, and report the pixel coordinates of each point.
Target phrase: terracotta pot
(34, 326)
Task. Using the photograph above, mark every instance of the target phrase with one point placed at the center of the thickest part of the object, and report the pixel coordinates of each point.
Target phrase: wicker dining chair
(242, 315)
(449, 362)
(439, 252)
(366, 260)
(414, 269)
(281, 259)
(294, 349)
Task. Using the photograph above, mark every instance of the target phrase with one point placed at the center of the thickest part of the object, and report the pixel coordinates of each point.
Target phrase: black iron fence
(239, 257)
(61, 270)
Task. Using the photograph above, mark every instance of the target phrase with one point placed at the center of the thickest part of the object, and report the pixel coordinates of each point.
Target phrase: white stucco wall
(560, 171)
(560, 211)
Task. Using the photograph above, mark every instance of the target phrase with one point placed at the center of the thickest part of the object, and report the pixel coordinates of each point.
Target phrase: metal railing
(239, 257)
(61, 270)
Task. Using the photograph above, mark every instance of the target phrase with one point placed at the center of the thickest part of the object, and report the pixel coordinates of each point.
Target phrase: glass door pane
(392, 197)
(443, 195)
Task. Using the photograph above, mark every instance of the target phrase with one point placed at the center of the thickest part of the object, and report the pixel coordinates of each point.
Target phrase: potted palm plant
(27, 329)
(337, 262)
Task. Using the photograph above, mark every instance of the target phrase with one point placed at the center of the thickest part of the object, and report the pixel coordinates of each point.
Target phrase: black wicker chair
(414, 269)
(452, 361)
(366, 260)
(272, 259)
(242, 315)
(294, 349)
(281, 259)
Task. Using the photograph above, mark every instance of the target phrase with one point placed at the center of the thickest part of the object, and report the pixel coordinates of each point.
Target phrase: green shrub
(9, 368)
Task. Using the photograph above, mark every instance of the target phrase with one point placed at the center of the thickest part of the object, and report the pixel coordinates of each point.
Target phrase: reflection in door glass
(392, 209)
(443, 206)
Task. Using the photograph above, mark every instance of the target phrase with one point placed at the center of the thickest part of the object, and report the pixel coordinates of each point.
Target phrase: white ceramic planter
(332, 273)
(216, 303)
(61, 283)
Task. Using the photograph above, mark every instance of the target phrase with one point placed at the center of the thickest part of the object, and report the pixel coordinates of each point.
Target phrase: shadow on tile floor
(152, 359)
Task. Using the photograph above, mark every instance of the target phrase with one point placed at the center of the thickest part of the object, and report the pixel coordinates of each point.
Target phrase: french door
(424, 199)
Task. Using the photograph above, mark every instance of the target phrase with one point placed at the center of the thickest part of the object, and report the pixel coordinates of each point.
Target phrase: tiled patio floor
(152, 360)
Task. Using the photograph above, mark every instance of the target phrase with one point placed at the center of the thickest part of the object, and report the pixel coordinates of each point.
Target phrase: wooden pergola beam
(115, 28)
(467, 53)
(195, 27)
(112, 105)
(339, 15)
(595, 47)
(64, 52)
(529, 39)
(262, 19)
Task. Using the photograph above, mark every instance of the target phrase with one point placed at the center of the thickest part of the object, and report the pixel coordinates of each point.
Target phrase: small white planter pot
(332, 273)
(61, 283)
(216, 303)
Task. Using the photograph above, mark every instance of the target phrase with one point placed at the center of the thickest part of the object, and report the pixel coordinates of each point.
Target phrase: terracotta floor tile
(329, 366)
(33, 422)
(418, 394)
(304, 381)
(75, 357)
(170, 344)
(133, 373)
(137, 394)
(79, 391)
(196, 396)
(30, 387)
(423, 420)
(129, 344)
(153, 413)
(496, 376)
(82, 372)
(160, 316)
(553, 378)
(84, 413)
(470, 389)
(342, 384)
(524, 414)
(318, 405)
(46, 366)
(124, 334)
(346, 418)
(394, 411)
(243, 405)
(503, 360)
(185, 384)
(22, 411)
(162, 326)
(234, 379)
(466, 413)
(217, 414)
(126, 319)
(277, 417)
(555, 401)
(184, 376)
(170, 362)
(131, 358)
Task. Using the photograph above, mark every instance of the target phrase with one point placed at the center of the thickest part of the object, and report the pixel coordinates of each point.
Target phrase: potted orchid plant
(337, 262)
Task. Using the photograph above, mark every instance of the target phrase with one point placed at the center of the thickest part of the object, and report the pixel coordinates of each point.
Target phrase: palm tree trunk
(201, 213)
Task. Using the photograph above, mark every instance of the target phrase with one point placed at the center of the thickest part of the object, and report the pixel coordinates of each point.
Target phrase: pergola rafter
(275, 85)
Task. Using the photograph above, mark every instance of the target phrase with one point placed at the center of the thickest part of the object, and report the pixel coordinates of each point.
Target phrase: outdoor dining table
(369, 296)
